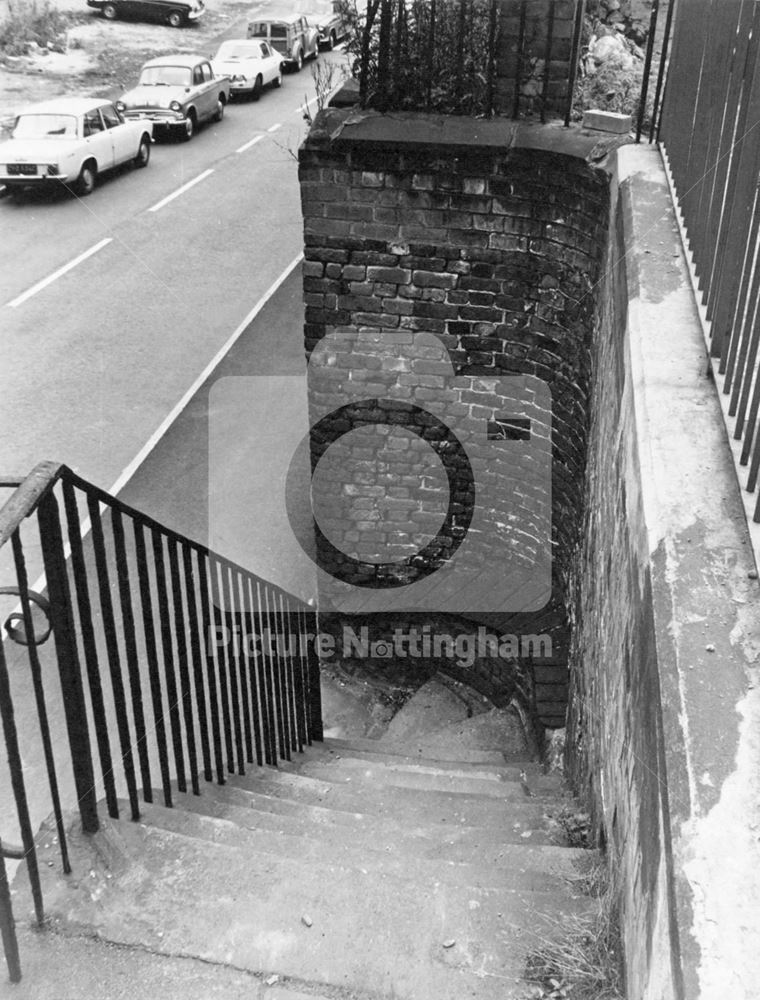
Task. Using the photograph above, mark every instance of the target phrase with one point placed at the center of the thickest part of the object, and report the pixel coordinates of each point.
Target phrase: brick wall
(493, 252)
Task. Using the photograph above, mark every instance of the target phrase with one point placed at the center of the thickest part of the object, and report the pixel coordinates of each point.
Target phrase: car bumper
(193, 15)
(33, 180)
(160, 117)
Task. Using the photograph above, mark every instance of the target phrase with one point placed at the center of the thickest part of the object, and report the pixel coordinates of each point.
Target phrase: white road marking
(57, 274)
(273, 128)
(41, 582)
(179, 191)
(251, 142)
(303, 107)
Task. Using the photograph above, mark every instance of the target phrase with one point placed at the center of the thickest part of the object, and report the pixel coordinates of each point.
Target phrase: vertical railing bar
(16, 769)
(257, 696)
(8, 925)
(732, 341)
(491, 67)
(753, 336)
(737, 349)
(168, 658)
(547, 58)
(233, 663)
(180, 629)
(196, 650)
(266, 680)
(130, 645)
(316, 731)
(112, 653)
(520, 58)
(431, 53)
(288, 659)
(67, 656)
(39, 696)
(654, 128)
(151, 652)
(647, 68)
(749, 436)
(89, 646)
(275, 665)
(282, 674)
(238, 584)
(211, 673)
(300, 690)
(575, 48)
(222, 661)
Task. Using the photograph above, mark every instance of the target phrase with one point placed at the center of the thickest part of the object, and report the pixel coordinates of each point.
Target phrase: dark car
(173, 12)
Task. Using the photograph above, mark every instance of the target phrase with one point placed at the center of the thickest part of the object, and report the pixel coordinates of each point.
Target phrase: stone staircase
(426, 867)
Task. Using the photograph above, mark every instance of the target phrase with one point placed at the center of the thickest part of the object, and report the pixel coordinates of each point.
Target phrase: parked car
(177, 93)
(327, 16)
(289, 34)
(173, 12)
(250, 64)
(71, 141)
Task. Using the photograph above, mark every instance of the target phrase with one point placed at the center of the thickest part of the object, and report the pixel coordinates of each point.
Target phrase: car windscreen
(234, 50)
(44, 126)
(166, 76)
(266, 28)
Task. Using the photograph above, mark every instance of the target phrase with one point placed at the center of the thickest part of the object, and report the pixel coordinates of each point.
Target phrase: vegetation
(29, 24)
(582, 961)
(414, 55)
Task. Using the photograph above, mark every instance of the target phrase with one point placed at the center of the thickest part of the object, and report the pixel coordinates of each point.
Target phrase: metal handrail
(131, 607)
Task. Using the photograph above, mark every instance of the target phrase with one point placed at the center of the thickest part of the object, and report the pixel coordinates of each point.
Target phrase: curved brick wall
(495, 247)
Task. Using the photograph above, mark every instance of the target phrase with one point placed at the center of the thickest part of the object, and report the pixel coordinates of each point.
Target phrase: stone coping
(458, 135)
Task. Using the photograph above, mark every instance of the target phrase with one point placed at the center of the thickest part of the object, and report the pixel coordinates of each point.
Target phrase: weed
(582, 961)
(29, 24)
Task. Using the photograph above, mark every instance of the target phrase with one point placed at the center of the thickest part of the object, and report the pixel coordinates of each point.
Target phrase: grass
(583, 961)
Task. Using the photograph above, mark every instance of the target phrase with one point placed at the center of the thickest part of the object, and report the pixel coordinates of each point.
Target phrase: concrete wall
(663, 721)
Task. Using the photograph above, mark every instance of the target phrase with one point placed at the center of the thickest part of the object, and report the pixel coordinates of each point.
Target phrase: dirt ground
(104, 57)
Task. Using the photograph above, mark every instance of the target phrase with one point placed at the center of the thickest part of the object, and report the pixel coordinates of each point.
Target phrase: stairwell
(425, 864)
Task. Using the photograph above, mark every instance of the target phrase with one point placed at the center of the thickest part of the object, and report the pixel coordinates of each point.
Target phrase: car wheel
(332, 41)
(175, 19)
(299, 61)
(189, 130)
(109, 12)
(258, 86)
(143, 153)
(16, 194)
(86, 181)
(277, 82)
(219, 113)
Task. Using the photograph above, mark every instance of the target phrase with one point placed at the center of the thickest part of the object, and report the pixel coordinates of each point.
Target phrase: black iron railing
(710, 135)
(156, 663)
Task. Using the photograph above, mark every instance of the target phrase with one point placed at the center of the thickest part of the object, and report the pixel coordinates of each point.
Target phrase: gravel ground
(103, 57)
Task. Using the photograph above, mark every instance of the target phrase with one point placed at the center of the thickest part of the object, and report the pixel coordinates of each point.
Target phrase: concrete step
(273, 813)
(493, 730)
(433, 705)
(505, 783)
(422, 859)
(412, 751)
(146, 887)
(404, 804)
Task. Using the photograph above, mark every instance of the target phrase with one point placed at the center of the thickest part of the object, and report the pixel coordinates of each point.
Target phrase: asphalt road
(95, 361)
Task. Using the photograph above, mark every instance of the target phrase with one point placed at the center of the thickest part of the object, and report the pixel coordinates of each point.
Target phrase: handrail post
(68, 661)
(314, 681)
(8, 924)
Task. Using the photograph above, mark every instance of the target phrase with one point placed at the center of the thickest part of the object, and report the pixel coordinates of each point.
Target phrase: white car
(71, 141)
(250, 65)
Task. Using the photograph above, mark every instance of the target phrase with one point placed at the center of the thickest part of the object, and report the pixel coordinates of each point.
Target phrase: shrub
(30, 22)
